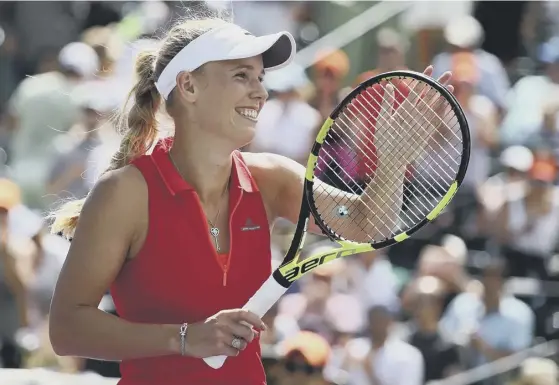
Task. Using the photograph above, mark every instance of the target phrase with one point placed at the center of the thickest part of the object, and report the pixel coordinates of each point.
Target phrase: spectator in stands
(280, 327)
(515, 162)
(481, 114)
(482, 117)
(533, 104)
(287, 124)
(527, 222)
(30, 262)
(492, 325)
(303, 359)
(13, 294)
(392, 50)
(466, 34)
(381, 358)
(441, 355)
(447, 266)
(373, 280)
(68, 177)
(106, 43)
(328, 75)
(39, 110)
(8, 77)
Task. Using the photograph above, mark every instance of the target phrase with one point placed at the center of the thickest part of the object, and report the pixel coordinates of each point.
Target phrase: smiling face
(225, 98)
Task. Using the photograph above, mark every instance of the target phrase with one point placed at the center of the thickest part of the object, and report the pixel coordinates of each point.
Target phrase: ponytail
(139, 130)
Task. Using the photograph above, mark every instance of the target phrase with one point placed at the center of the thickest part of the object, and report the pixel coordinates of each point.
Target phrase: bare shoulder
(119, 189)
(113, 205)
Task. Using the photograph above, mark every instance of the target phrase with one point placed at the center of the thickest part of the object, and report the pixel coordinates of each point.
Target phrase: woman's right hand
(214, 337)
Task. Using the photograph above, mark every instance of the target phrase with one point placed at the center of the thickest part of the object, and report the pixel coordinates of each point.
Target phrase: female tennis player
(184, 232)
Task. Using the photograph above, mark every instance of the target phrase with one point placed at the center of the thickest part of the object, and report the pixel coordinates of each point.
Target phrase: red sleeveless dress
(178, 277)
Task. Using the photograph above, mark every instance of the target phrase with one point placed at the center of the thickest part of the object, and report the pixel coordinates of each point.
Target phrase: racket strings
(456, 163)
(354, 143)
(349, 128)
(444, 188)
(416, 124)
(347, 131)
(330, 156)
(337, 202)
(370, 223)
(429, 155)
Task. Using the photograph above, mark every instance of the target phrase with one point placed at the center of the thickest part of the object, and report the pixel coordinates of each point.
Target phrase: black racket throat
(304, 221)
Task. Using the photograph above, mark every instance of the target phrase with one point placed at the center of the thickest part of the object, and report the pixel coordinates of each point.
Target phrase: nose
(259, 92)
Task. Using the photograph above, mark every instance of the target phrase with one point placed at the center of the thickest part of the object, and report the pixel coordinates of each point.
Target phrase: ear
(186, 87)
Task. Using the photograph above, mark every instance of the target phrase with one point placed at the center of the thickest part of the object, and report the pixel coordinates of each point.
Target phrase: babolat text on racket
(385, 163)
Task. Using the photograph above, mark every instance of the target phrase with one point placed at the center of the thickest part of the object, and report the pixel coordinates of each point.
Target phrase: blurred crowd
(472, 289)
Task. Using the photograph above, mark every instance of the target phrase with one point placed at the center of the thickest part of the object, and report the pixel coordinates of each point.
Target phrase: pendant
(214, 231)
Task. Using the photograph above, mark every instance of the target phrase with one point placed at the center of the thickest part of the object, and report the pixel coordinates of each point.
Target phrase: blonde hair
(138, 126)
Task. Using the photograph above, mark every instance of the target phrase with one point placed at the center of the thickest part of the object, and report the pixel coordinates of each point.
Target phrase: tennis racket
(411, 125)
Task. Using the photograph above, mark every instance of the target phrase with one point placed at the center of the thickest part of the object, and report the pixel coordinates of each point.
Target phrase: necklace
(214, 230)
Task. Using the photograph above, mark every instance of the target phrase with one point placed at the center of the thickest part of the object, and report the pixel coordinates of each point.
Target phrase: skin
(114, 220)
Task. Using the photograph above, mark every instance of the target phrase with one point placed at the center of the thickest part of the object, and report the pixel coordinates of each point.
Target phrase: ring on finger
(237, 343)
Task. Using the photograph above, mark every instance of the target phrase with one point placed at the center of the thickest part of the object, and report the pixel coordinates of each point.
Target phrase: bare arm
(98, 251)
(107, 227)
(283, 180)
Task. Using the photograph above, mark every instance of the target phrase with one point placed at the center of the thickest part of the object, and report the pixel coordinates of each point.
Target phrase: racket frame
(291, 269)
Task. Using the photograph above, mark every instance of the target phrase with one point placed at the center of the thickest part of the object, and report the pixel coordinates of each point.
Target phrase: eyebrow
(248, 67)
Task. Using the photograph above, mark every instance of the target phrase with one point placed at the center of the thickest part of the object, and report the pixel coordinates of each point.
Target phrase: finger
(417, 91)
(226, 337)
(445, 77)
(441, 108)
(431, 98)
(428, 71)
(241, 330)
(242, 344)
(450, 89)
(227, 350)
(387, 102)
(248, 317)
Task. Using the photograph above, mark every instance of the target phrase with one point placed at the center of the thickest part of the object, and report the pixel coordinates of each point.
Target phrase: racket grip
(268, 294)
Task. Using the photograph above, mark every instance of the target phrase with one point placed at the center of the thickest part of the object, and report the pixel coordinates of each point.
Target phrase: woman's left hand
(413, 126)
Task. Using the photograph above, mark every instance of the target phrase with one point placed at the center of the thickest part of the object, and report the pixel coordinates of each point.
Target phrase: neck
(492, 302)
(203, 161)
(378, 341)
(428, 326)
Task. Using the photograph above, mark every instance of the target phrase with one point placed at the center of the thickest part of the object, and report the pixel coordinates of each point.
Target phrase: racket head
(354, 123)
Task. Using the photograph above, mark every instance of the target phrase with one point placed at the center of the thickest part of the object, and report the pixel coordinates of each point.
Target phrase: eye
(242, 75)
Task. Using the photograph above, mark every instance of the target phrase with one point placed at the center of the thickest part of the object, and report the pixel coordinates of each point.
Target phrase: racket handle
(268, 294)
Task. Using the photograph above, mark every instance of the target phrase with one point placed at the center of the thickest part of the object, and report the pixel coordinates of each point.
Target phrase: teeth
(248, 113)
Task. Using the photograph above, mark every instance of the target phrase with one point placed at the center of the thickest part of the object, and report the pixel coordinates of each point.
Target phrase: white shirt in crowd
(286, 129)
(376, 286)
(542, 237)
(396, 363)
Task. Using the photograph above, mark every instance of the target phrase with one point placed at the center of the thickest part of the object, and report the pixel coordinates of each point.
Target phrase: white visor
(227, 42)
